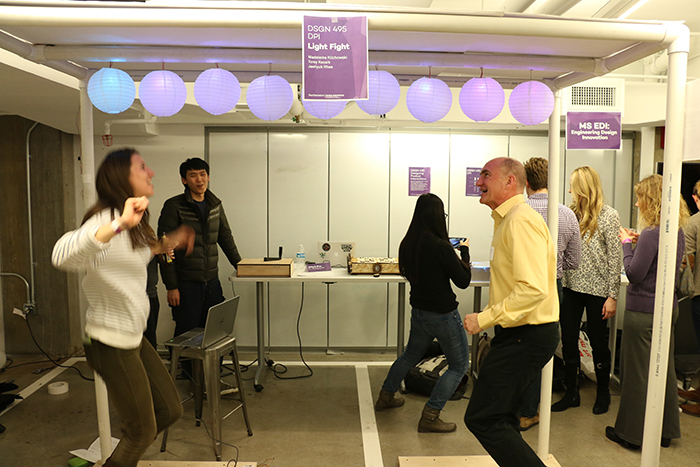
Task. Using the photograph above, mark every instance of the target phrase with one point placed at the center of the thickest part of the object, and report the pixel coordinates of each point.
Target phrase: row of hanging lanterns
(163, 93)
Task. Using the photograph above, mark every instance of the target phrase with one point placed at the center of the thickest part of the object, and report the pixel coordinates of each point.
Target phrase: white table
(342, 275)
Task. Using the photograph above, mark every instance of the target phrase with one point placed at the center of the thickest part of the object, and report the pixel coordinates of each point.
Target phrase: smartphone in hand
(455, 241)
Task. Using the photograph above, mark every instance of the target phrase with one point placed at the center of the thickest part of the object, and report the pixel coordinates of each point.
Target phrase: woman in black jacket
(428, 261)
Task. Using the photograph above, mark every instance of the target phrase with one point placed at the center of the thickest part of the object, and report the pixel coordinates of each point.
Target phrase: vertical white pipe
(553, 223)
(87, 146)
(668, 242)
(87, 157)
(646, 157)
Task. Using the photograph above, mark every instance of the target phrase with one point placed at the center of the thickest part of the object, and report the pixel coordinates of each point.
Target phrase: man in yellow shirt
(524, 307)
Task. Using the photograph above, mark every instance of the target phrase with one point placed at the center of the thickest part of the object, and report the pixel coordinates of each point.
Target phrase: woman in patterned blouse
(594, 286)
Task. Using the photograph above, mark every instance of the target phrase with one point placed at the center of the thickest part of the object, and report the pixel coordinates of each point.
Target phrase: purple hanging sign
(593, 130)
(418, 181)
(473, 174)
(336, 58)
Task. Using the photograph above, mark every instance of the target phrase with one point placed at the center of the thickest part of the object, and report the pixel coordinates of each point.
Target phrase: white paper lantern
(324, 109)
(217, 91)
(269, 97)
(482, 99)
(429, 99)
(531, 102)
(111, 90)
(384, 92)
(162, 93)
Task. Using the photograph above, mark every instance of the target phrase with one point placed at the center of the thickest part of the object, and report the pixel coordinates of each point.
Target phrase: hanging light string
(482, 72)
(430, 72)
(110, 64)
(269, 71)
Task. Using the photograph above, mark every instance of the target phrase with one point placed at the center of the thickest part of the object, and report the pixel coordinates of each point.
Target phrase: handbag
(686, 282)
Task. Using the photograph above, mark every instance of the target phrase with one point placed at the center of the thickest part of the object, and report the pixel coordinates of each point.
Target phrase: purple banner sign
(418, 181)
(593, 130)
(335, 58)
(472, 176)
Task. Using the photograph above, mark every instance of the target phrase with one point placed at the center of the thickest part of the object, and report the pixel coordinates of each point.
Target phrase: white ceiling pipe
(294, 57)
(517, 6)
(615, 8)
(659, 65)
(30, 52)
(556, 7)
(291, 18)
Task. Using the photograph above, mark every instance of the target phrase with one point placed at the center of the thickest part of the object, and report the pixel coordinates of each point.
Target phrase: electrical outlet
(29, 309)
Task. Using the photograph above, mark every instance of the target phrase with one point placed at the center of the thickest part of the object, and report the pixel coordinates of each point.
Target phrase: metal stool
(209, 358)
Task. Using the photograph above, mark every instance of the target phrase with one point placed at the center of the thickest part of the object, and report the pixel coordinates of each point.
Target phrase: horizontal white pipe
(241, 15)
(212, 55)
(28, 51)
(556, 7)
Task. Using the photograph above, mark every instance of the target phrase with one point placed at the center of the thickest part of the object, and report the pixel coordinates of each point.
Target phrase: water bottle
(300, 263)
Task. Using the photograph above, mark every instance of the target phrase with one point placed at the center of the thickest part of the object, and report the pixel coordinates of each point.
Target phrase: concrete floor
(326, 419)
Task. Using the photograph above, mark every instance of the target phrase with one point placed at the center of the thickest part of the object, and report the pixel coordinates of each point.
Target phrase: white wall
(285, 188)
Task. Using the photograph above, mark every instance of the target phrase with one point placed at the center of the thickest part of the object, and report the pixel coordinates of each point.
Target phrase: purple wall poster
(335, 58)
(418, 181)
(593, 130)
(473, 174)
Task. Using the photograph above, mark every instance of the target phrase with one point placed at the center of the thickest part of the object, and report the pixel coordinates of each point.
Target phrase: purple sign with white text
(593, 130)
(418, 181)
(472, 176)
(335, 58)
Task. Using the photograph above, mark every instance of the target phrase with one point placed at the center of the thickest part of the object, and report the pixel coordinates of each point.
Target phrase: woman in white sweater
(113, 246)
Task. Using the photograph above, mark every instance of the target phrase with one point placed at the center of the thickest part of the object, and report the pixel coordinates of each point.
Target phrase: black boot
(602, 400)
(571, 397)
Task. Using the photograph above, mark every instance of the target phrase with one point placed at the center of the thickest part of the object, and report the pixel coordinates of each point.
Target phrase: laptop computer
(219, 325)
(336, 253)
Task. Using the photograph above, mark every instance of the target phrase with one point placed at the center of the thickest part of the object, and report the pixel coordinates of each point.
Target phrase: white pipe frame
(668, 243)
(553, 224)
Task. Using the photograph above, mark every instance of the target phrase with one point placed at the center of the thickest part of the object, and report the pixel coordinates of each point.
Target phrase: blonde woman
(594, 286)
(641, 264)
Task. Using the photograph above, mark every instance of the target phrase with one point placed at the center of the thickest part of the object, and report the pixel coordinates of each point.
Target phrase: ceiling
(561, 42)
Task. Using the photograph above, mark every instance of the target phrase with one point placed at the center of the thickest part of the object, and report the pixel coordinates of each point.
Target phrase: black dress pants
(516, 358)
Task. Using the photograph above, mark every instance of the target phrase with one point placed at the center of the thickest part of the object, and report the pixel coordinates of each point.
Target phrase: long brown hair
(113, 188)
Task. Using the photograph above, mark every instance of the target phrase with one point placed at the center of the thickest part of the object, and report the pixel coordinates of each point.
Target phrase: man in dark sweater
(193, 281)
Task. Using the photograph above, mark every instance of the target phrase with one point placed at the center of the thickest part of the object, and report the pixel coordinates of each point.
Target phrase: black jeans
(516, 358)
(570, 319)
(195, 300)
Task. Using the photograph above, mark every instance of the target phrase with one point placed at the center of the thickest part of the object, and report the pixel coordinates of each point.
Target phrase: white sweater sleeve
(79, 249)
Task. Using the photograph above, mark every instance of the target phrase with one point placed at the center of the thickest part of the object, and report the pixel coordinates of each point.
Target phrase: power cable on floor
(206, 428)
(51, 359)
(274, 366)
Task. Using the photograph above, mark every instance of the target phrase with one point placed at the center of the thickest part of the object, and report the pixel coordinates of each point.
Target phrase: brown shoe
(528, 422)
(693, 395)
(691, 409)
(430, 422)
(387, 400)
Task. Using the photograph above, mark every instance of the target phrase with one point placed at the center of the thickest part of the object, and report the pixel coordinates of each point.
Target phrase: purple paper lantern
(324, 109)
(269, 97)
(482, 99)
(531, 102)
(384, 92)
(162, 93)
(111, 90)
(217, 91)
(429, 99)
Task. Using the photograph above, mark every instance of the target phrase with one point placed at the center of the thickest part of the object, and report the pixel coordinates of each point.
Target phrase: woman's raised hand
(133, 211)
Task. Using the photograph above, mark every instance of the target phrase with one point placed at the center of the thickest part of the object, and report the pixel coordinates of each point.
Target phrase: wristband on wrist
(117, 226)
(627, 240)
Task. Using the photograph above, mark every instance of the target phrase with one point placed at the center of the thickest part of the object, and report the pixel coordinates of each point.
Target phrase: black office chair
(687, 356)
